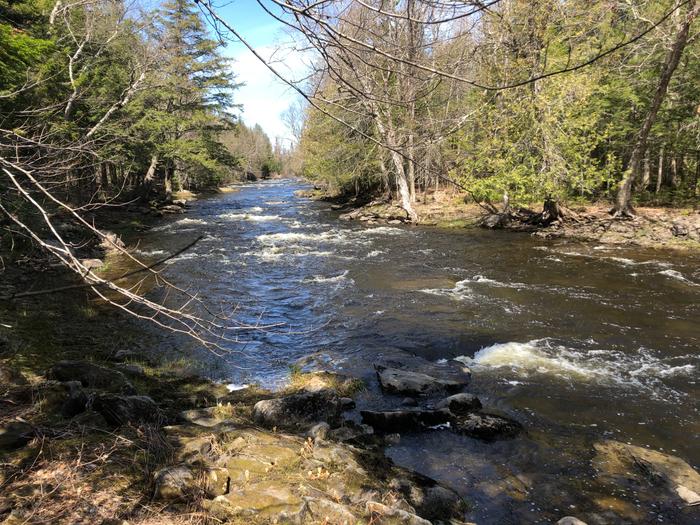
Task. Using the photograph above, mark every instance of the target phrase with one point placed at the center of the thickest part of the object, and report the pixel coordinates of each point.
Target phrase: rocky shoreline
(250, 454)
(123, 440)
(678, 229)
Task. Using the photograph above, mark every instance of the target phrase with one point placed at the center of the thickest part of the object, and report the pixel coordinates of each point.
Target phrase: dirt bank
(676, 228)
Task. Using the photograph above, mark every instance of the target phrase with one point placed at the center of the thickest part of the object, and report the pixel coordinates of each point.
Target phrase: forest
(455, 282)
(581, 102)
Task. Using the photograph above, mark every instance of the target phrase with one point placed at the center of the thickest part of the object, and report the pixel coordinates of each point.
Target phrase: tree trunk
(623, 201)
(660, 173)
(150, 175)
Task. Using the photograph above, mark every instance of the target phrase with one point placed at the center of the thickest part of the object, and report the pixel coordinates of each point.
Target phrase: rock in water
(121, 410)
(570, 520)
(298, 409)
(405, 420)
(623, 464)
(91, 376)
(403, 382)
(488, 427)
(461, 404)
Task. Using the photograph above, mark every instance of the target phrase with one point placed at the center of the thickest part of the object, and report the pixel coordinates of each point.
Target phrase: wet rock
(174, 483)
(404, 382)
(570, 520)
(461, 403)
(430, 500)
(630, 466)
(351, 431)
(405, 420)
(295, 410)
(488, 427)
(91, 375)
(319, 431)
(409, 402)
(121, 410)
(15, 434)
(383, 512)
(10, 375)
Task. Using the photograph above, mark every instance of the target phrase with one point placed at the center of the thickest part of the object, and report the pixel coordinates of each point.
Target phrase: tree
(623, 201)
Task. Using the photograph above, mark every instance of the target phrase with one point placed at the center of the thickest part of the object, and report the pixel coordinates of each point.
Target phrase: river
(579, 342)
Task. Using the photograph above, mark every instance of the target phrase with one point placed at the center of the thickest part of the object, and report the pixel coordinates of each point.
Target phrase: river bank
(350, 296)
(674, 228)
(120, 438)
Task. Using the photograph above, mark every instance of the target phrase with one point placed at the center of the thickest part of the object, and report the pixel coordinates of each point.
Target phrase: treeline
(99, 100)
(526, 100)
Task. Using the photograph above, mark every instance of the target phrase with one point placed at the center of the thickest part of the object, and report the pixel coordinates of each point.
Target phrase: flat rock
(625, 464)
(326, 511)
(91, 375)
(461, 404)
(384, 512)
(121, 410)
(407, 383)
(487, 427)
(405, 420)
(298, 409)
(271, 499)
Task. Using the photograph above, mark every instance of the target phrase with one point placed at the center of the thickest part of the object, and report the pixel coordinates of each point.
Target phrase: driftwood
(529, 220)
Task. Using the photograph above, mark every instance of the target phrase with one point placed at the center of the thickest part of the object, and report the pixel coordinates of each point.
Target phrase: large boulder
(91, 375)
(122, 410)
(487, 427)
(298, 410)
(407, 383)
(405, 420)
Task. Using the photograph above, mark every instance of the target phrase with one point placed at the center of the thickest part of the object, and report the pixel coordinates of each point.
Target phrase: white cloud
(264, 96)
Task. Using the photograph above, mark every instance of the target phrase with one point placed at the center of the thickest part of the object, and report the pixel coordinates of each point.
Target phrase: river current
(579, 342)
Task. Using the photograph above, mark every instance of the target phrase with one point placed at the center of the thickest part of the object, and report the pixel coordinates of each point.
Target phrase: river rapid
(579, 342)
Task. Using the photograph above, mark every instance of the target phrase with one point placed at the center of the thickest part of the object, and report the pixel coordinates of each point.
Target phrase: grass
(342, 385)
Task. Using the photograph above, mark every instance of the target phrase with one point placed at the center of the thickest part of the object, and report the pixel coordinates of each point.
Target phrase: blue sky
(263, 97)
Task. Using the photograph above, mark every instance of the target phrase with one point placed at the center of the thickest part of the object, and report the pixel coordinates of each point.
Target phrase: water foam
(248, 217)
(641, 370)
(334, 279)
(675, 274)
(181, 222)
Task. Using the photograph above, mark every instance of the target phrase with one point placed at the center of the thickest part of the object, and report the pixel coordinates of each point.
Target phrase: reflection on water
(579, 342)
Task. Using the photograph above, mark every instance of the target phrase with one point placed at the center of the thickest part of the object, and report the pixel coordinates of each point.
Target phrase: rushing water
(577, 341)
